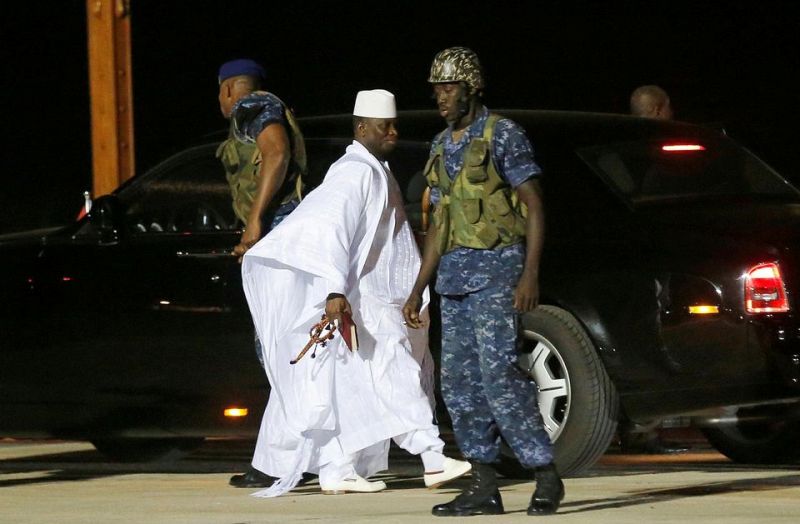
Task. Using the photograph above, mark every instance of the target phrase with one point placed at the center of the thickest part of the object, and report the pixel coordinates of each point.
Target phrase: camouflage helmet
(457, 64)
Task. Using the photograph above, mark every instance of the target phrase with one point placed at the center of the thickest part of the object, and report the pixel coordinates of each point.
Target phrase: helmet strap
(465, 101)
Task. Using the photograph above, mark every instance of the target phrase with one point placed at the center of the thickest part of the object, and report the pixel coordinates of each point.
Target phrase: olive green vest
(242, 162)
(241, 172)
(478, 209)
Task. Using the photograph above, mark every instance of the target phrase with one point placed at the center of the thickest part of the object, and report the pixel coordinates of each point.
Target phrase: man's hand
(411, 311)
(335, 306)
(273, 143)
(250, 236)
(526, 295)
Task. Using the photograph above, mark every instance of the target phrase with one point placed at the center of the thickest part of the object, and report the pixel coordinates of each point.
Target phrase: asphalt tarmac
(69, 482)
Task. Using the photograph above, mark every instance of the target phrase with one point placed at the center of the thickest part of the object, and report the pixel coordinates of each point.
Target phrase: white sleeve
(321, 236)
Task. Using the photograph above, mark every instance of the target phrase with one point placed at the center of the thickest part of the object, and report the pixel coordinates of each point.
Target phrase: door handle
(204, 254)
(183, 308)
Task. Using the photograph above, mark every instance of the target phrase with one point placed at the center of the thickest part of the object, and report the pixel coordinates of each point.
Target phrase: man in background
(651, 101)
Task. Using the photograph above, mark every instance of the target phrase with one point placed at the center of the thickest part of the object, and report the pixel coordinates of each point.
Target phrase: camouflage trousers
(486, 393)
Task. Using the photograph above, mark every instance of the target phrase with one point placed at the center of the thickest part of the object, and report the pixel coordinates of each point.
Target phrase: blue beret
(241, 66)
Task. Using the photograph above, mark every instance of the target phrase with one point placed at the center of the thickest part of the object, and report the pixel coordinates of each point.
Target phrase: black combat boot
(481, 497)
(549, 491)
(252, 479)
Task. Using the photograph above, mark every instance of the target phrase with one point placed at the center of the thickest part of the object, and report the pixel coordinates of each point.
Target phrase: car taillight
(682, 148)
(764, 290)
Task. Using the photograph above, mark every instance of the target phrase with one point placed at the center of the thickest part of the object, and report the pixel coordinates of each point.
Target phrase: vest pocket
(498, 204)
(476, 174)
(509, 224)
(475, 163)
(468, 211)
(487, 235)
(468, 228)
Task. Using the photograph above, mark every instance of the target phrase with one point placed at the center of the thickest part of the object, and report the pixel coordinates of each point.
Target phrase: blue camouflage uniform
(486, 393)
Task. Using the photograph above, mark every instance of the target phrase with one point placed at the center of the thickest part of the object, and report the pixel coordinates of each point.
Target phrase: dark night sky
(729, 62)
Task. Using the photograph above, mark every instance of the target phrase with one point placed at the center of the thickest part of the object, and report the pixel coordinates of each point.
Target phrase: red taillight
(764, 291)
(679, 148)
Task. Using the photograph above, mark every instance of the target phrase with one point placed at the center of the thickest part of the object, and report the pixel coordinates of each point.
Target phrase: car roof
(554, 128)
(575, 127)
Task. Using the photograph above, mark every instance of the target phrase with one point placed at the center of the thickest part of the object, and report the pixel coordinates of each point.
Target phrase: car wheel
(577, 399)
(146, 449)
(764, 442)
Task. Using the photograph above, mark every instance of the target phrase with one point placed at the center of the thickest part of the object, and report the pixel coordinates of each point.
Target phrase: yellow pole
(111, 93)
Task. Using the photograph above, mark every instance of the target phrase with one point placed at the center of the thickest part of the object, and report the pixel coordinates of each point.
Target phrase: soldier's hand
(250, 236)
(526, 294)
(411, 311)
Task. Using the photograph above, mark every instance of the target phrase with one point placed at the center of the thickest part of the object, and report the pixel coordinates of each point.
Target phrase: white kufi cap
(377, 103)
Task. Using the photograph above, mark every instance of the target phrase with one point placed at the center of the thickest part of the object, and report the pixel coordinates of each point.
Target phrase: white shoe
(452, 470)
(356, 484)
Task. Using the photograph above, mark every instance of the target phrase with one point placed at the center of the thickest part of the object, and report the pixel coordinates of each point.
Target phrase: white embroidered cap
(377, 103)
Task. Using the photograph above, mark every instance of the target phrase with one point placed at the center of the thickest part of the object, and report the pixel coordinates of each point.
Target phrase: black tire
(146, 449)
(771, 442)
(582, 411)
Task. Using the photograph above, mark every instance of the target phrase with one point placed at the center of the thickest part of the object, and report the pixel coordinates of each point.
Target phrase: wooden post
(111, 93)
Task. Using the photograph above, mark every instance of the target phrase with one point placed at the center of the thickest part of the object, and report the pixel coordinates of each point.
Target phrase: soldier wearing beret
(264, 159)
(264, 155)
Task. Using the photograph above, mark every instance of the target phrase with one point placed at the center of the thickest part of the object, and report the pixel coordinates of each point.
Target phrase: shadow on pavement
(212, 457)
(684, 492)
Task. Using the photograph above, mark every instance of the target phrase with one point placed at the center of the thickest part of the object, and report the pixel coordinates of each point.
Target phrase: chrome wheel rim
(547, 369)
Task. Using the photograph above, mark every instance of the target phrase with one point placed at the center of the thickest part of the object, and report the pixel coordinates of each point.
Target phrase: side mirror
(105, 220)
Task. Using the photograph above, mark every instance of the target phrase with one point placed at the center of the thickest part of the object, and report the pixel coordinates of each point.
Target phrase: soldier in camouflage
(264, 155)
(264, 159)
(485, 238)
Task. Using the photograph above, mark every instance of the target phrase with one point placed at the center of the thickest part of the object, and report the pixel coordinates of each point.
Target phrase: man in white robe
(346, 248)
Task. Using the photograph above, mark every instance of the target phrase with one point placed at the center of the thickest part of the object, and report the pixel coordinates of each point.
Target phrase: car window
(655, 170)
(187, 193)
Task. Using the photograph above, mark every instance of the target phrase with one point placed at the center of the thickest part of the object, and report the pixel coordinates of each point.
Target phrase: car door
(151, 315)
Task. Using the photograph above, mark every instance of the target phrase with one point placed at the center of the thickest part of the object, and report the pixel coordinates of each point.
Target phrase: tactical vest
(242, 162)
(478, 209)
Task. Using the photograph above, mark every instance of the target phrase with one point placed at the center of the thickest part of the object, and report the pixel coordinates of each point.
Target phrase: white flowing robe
(349, 235)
